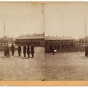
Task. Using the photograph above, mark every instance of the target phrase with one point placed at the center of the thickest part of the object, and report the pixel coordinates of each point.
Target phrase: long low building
(36, 39)
(58, 42)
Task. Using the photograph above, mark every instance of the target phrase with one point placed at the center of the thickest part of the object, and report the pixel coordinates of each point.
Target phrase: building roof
(58, 38)
(32, 36)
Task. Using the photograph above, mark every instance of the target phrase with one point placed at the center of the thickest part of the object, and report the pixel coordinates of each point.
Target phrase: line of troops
(27, 49)
(59, 46)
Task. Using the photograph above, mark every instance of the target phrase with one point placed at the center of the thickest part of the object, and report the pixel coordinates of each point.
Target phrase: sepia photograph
(66, 41)
(21, 41)
(44, 43)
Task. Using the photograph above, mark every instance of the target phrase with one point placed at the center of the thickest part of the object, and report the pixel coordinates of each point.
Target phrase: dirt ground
(66, 66)
(20, 68)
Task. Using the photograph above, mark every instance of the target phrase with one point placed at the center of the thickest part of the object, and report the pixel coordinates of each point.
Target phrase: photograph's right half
(66, 41)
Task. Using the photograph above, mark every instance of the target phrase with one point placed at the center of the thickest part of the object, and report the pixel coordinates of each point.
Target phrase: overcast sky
(61, 19)
(66, 19)
(21, 18)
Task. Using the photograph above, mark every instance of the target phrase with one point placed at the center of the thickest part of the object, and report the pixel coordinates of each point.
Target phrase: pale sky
(66, 19)
(21, 18)
(61, 19)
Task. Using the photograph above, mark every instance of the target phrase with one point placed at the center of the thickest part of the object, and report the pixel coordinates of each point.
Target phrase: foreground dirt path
(20, 68)
(66, 66)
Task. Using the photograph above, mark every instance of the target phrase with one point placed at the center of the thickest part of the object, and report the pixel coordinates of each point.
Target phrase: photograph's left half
(21, 41)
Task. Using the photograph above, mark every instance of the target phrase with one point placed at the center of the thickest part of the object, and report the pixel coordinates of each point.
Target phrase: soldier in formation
(12, 49)
(62, 46)
(86, 50)
(24, 50)
(27, 49)
(19, 50)
(32, 50)
(6, 51)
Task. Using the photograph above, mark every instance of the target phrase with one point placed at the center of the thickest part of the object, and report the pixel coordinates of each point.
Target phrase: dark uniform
(24, 50)
(12, 49)
(28, 51)
(7, 51)
(19, 50)
(32, 50)
(86, 50)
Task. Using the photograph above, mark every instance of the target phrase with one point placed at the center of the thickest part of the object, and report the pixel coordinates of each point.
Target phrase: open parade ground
(20, 68)
(67, 66)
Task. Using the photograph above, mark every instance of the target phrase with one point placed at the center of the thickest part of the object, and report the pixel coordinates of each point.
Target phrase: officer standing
(12, 49)
(7, 51)
(28, 50)
(87, 50)
(24, 50)
(19, 49)
(32, 50)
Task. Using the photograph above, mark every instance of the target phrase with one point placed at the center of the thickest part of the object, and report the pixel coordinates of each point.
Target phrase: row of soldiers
(26, 49)
(63, 46)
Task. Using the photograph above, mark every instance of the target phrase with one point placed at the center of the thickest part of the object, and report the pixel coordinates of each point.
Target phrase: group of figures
(27, 49)
(54, 47)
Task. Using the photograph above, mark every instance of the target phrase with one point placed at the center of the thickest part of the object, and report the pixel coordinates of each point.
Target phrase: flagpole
(4, 31)
(85, 33)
